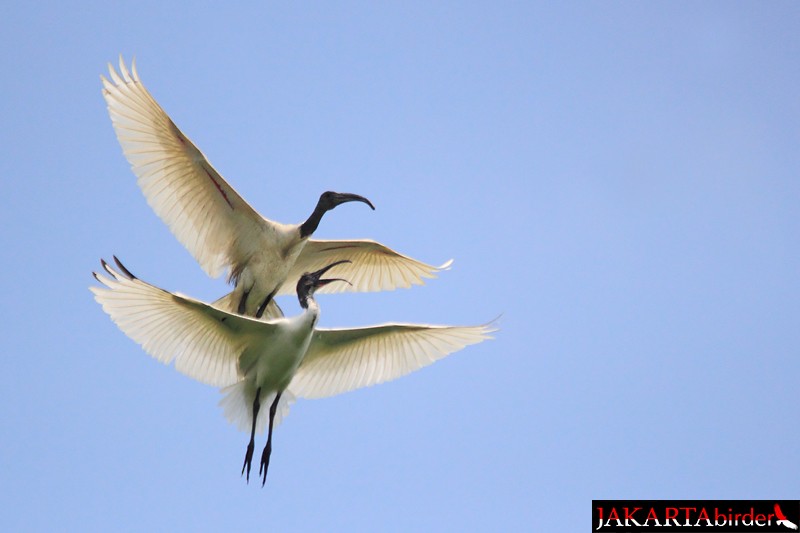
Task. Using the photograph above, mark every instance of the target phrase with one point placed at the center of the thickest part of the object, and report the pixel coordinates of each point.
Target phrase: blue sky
(619, 180)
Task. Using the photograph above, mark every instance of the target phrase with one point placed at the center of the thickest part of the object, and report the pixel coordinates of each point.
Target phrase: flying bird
(262, 258)
(270, 362)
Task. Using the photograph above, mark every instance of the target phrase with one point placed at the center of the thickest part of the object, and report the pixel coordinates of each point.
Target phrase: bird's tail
(237, 404)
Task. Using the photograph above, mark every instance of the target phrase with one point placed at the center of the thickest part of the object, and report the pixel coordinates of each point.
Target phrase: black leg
(248, 456)
(264, 304)
(243, 302)
(268, 448)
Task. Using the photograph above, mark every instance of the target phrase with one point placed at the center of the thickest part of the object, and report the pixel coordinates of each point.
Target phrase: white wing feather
(201, 209)
(373, 267)
(204, 342)
(341, 360)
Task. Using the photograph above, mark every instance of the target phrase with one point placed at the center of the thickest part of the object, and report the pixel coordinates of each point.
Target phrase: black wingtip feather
(123, 269)
(108, 269)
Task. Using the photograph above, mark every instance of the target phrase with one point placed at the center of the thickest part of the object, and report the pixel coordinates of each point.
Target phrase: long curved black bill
(318, 274)
(342, 197)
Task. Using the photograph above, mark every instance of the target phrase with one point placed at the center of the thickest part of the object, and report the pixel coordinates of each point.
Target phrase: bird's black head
(309, 282)
(329, 199)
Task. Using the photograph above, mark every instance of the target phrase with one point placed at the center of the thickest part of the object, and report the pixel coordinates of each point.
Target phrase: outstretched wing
(341, 360)
(374, 267)
(205, 213)
(204, 342)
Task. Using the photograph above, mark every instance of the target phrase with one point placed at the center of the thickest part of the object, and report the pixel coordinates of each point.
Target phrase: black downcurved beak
(317, 276)
(323, 282)
(343, 197)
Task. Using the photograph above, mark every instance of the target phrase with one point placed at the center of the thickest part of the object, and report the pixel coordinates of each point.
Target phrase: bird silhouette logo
(782, 520)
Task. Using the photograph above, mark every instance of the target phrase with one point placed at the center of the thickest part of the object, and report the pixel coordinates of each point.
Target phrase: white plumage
(219, 228)
(289, 355)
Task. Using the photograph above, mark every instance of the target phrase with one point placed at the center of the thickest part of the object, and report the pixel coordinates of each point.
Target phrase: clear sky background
(620, 180)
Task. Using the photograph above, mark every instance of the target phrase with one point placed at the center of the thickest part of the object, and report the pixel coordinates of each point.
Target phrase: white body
(219, 228)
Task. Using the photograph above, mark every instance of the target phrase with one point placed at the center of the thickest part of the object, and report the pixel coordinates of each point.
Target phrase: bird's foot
(262, 470)
(248, 460)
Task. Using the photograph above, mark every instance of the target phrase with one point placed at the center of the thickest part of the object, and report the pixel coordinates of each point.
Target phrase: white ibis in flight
(263, 258)
(270, 362)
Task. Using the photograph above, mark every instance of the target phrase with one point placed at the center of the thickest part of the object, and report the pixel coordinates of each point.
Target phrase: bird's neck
(310, 225)
(311, 313)
(308, 303)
